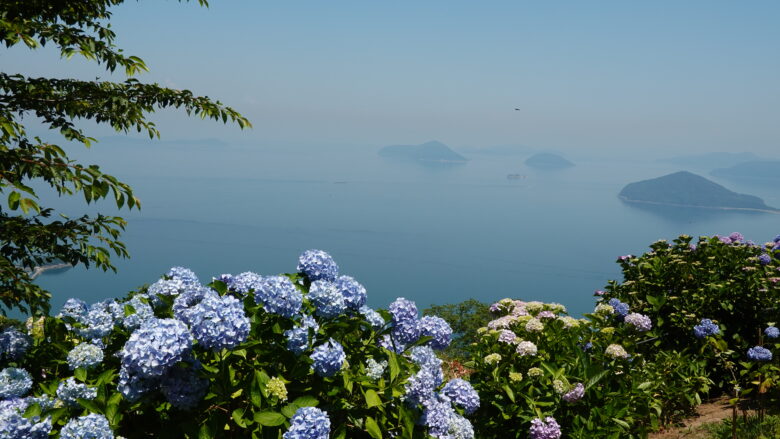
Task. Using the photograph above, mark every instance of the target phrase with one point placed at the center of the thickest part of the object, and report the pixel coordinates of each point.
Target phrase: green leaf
(205, 432)
(13, 200)
(269, 418)
(372, 398)
(305, 401)
(80, 374)
(372, 428)
(394, 368)
(622, 423)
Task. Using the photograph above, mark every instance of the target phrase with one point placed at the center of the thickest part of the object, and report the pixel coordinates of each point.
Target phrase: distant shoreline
(37, 271)
(659, 203)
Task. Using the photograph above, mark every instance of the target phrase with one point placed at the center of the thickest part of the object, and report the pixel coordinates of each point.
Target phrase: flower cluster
(85, 355)
(278, 295)
(354, 293)
(327, 299)
(298, 337)
(318, 265)
(91, 426)
(13, 344)
(574, 394)
(772, 332)
(640, 322)
(759, 353)
(621, 309)
(705, 328)
(374, 369)
(69, 391)
(276, 387)
(462, 394)
(328, 358)
(438, 329)
(526, 348)
(13, 423)
(14, 382)
(219, 322)
(616, 351)
(308, 423)
(547, 429)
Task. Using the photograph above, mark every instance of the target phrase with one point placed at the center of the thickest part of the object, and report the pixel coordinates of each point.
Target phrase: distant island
(686, 189)
(548, 160)
(433, 152)
(767, 170)
(53, 268)
(710, 160)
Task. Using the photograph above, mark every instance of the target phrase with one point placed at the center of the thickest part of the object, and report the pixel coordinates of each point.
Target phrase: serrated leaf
(372, 398)
(305, 401)
(269, 418)
(372, 428)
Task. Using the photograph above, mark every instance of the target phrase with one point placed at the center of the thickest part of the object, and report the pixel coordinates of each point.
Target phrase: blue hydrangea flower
(13, 424)
(69, 391)
(705, 328)
(133, 387)
(98, 322)
(91, 426)
(772, 332)
(372, 317)
(574, 394)
(462, 394)
(389, 343)
(183, 387)
(437, 414)
(183, 274)
(460, 427)
(317, 264)
(403, 310)
(328, 358)
(308, 423)
(85, 355)
(764, 259)
(621, 309)
(184, 306)
(406, 332)
(759, 353)
(547, 429)
(298, 337)
(736, 237)
(141, 312)
(155, 347)
(327, 298)
(14, 382)
(421, 386)
(13, 344)
(167, 287)
(354, 293)
(245, 282)
(438, 328)
(73, 308)
(640, 322)
(278, 295)
(219, 322)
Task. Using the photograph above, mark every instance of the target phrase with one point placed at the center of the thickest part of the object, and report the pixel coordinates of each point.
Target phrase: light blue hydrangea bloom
(437, 415)
(98, 322)
(403, 310)
(421, 386)
(219, 322)
(389, 343)
(69, 391)
(184, 306)
(13, 424)
(354, 293)
(764, 259)
(167, 287)
(328, 358)
(772, 332)
(91, 426)
(460, 428)
(372, 317)
(245, 282)
(575, 394)
(438, 328)
(308, 423)
(705, 328)
(317, 264)
(13, 344)
(759, 353)
(85, 355)
(547, 429)
(461, 393)
(141, 312)
(183, 274)
(326, 297)
(278, 295)
(640, 322)
(298, 337)
(621, 309)
(374, 369)
(155, 347)
(73, 308)
(14, 382)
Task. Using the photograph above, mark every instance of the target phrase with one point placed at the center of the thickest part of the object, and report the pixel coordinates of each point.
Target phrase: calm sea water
(429, 233)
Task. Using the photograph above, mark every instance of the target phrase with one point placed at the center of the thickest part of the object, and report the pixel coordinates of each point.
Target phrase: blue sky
(667, 76)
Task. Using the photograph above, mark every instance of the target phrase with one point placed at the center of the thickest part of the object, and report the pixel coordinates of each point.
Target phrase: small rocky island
(685, 189)
(432, 152)
(548, 160)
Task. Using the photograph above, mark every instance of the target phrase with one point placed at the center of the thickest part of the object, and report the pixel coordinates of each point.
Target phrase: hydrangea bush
(245, 356)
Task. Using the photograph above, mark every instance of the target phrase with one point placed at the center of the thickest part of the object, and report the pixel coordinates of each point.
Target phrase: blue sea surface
(429, 232)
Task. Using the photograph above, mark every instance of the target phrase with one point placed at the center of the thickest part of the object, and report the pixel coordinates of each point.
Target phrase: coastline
(37, 271)
(659, 203)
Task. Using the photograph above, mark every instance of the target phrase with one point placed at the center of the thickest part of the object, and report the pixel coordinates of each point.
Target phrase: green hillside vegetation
(686, 189)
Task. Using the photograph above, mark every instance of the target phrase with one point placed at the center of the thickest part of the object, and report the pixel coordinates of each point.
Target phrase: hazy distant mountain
(711, 160)
(547, 160)
(686, 189)
(427, 152)
(768, 170)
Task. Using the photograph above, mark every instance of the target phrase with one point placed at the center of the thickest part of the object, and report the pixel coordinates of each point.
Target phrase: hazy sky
(610, 75)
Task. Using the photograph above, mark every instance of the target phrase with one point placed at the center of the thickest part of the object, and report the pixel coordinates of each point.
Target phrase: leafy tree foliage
(464, 319)
(33, 235)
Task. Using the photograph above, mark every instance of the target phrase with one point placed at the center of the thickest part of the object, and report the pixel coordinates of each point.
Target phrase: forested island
(432, 151)
(757, 170)
(547, 160)
(690, 190)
